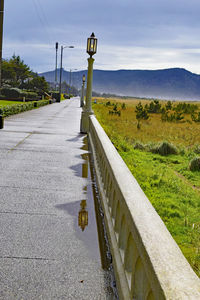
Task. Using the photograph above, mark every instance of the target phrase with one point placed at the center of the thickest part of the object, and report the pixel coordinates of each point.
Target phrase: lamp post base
(85, 121)
(1, 122)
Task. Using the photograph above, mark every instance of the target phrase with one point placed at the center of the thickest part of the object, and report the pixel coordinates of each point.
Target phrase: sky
(132, 34)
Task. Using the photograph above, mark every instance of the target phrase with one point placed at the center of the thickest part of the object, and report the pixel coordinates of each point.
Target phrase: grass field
(172, 188)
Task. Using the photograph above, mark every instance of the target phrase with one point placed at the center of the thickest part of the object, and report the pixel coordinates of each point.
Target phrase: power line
(41, 18)
(45, 19)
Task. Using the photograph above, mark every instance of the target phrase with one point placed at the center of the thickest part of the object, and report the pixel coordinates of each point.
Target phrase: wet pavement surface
(49, 246)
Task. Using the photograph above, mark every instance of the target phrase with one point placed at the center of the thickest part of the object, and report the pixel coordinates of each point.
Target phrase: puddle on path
(89, 224)
(105, 255)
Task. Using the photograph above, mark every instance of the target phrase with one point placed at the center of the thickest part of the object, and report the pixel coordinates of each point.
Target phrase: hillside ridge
(171, 83)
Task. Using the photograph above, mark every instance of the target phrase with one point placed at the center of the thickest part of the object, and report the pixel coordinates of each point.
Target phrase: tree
(38, 84)
(154, 107)
(8, 74)
(168, 105)
(15, 72)
(22, 71)
(141, 114)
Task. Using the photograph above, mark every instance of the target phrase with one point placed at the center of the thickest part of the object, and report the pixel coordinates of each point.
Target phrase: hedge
(9, 110)
(17, 93)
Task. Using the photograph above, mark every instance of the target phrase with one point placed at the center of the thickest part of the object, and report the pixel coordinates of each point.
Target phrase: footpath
(48, 238)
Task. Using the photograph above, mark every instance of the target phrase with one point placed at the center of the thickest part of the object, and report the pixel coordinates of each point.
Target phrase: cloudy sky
(132, 34)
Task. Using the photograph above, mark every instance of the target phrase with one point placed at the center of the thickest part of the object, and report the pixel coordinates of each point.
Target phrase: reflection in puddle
(89, 221)
(83, 215)
(106, 257)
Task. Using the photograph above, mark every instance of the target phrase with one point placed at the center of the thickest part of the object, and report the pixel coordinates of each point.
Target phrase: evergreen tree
(141, 114)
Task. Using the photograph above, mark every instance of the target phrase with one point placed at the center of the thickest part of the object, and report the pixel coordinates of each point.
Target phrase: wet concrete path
(48, 235)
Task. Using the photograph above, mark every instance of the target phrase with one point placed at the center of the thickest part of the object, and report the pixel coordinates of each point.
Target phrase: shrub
(195, 164)
(197, 149)
(18, 108)
(17, 93)
(174, 117)
(165, 149)
(195, 117)
(139, 146)
(108, 103)
(29, 95)
(11, 92)
(153, 107)
(123, 105)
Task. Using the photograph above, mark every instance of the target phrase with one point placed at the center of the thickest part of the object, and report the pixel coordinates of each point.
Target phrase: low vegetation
(8, 108)
(19, 81)
(163, 154)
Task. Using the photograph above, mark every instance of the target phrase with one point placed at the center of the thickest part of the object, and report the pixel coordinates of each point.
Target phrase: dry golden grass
(185, 133)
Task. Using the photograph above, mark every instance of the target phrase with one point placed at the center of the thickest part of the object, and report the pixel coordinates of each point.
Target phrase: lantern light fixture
(92, 45)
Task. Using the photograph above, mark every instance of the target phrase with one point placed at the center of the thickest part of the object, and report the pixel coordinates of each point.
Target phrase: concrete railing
(148, 263)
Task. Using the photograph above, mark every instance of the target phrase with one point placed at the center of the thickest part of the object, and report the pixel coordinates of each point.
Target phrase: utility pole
(70, 78)
(1, 34)
(56, 65)
(60, 84)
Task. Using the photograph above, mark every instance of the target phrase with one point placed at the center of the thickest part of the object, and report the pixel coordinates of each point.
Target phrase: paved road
(44, 254)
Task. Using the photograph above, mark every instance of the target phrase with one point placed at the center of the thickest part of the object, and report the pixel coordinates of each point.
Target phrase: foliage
(185, 108)
(153, 107)
(169, 184)
(15, 73)
(168, 105)
(173, 117)
(11, 92)
(108, 103)
(141, 114)
(195, 117)
(197, 149)
(165, 149)
(195, 164)
(115, 110)
(139, 146)
(16, 93)
(12, 109)
(123, 106)
(38, 84)
(67, 89)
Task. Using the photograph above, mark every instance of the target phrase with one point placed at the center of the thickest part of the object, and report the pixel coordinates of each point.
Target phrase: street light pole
(70, 74)
(61, 58)
(82, 91)
(1, 34)
(87, 108)
(56, 65)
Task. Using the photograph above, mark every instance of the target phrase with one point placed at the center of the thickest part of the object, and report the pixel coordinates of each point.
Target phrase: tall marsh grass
(160, 155)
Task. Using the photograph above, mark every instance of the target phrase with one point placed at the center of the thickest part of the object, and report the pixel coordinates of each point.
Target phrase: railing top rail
(175, 275)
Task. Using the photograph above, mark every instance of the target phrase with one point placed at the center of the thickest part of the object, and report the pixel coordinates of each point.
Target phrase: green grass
(171, 187)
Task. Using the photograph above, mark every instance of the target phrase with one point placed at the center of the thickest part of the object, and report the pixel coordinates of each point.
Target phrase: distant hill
(173, 83)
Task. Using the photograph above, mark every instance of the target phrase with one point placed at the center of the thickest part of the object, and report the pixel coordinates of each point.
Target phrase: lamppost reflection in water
(83, 215)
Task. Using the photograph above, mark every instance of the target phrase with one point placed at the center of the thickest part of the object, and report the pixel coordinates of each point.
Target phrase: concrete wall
(148, 263)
